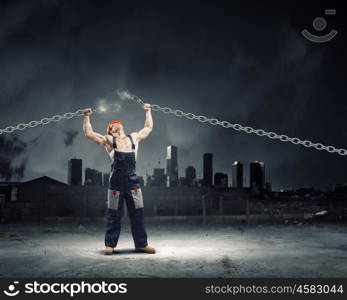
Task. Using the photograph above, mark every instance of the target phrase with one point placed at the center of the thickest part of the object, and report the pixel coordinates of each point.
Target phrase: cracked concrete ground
(183, 250)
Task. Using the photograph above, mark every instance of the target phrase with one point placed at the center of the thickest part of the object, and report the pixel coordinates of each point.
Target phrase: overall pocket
(137, 196)
(112, 199)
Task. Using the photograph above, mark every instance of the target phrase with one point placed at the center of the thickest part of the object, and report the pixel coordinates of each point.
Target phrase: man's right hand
(87, 111)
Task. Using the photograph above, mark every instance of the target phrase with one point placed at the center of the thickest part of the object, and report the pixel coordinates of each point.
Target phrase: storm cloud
(246, 63)
(9, 149)
(70, 136)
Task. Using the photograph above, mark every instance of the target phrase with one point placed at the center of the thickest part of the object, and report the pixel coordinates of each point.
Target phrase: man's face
(116, 127)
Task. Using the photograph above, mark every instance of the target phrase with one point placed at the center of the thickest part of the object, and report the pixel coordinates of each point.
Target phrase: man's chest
(120, 145)
(123, 144)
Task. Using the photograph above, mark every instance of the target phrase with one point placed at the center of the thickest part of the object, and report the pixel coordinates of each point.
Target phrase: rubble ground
(183, 250)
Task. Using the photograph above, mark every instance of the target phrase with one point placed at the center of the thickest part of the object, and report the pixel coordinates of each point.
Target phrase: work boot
(146, 249)
(108, 250)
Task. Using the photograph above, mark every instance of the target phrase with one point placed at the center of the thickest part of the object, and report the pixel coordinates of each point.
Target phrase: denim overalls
(124, 185)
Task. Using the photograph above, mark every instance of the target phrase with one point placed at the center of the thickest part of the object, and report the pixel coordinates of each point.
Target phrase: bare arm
(88, 130)
(146, 130)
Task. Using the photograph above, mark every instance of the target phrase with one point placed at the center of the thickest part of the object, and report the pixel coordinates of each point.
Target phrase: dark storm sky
(246, 63)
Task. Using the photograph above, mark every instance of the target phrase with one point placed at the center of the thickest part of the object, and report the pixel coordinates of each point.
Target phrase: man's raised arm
(146, 130)
(88, 130)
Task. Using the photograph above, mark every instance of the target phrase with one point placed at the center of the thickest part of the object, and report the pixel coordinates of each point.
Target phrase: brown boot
(108, 250)
(146, 249)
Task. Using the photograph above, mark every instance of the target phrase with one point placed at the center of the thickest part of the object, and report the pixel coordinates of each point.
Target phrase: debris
(81, 227)
(321, 213)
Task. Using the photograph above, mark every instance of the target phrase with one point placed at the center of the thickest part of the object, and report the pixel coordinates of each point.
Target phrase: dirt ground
(183, 250)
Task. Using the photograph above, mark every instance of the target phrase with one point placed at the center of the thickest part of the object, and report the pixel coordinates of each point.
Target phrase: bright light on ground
(182, 251)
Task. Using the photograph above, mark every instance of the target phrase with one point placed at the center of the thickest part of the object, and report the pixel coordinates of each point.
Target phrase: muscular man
(123, 182)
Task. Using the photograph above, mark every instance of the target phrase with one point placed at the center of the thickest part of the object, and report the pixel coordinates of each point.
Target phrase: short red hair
(109, 126)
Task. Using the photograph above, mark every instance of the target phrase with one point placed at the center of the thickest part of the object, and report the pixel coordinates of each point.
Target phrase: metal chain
(191, 116)
(247, 129)
(238, 127)
(43, 121)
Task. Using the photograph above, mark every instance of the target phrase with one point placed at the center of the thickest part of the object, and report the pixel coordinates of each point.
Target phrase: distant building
(182, 181)
(200, 182)
(10, 191)
(142, 181)
(237, 174)
(171, 166)
(340, 188)
(44, 180)
(190, 176)
(148, 180)
(257, 175)
(268, 187)
(220, 180)
(208, 169)
(93, 177)
(106, 178)
(74, 172)
(158, 177)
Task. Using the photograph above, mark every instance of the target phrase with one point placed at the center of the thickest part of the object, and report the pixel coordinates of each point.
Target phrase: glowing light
(102, 105)
(102, 108)
(124, 94)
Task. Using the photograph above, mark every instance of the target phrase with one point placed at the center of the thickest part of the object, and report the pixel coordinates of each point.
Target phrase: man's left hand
(147, 107)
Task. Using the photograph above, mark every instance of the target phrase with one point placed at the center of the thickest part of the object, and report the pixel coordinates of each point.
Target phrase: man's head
(114, 126)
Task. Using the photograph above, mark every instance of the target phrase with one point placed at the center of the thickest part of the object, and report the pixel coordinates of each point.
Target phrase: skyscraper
(208, 169)
(182, 181)
(74, 172)
(106, 178)
(190, 175)
(257, 175)
(237, 174)
(159, 177)
(148, 180)
(220, 180)
(268, 187)
(92, 177)
(171, 166)
(142, 181)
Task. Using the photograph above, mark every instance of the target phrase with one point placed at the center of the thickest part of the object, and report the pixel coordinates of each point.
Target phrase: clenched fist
(147, 107)
(87, 111)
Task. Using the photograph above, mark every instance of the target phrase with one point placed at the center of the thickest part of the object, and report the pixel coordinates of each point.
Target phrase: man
(124, 184)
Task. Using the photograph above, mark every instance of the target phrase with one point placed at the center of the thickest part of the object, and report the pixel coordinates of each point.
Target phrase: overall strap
(114, 142)
(132, 142)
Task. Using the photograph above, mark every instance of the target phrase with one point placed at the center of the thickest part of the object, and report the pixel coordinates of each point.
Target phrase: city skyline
(244, 182)
(170, 176)
(288, 85)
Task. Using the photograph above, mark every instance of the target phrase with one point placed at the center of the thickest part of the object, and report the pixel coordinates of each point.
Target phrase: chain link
(43, 121)
(247, 129)
(191, 116)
